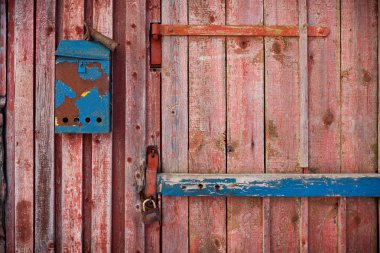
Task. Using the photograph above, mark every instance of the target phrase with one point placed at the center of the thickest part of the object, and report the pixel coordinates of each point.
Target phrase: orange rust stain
(272, 129)
(67, 72)
(278, 47)
(24, 225)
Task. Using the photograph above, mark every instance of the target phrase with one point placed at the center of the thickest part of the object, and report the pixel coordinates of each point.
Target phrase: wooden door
(237, 105)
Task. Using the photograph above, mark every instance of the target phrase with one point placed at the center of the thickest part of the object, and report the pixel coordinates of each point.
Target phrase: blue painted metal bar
(269, 185)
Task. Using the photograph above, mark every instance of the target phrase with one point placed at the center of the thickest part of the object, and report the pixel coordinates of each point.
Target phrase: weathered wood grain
(3, 47)
(207, 125)
(44, 126)
(359, 115)
(118, 128)
(3, 87)
(72, 174)
(245, 123)
(282, 120)
(303, 118)
(23, 131)
(135, 122)
(175, 125)
(324, 115)
(9, 134)
(153, 117)
(101, 154)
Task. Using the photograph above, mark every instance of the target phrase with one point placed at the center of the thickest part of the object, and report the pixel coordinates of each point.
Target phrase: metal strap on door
(254, 185)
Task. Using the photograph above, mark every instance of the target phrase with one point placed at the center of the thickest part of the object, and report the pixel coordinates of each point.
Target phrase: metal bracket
(152, 166)
(159, 30)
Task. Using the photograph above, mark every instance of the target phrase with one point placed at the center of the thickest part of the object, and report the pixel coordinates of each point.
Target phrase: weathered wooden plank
(101, 154)
(9, 134)
(153, 118)
(3, 47)
(304, 86)
(135, 127)
(269, 185)
(72, 175)
(245, 123)
(282, 120)
(359, 115)
(3, 87)
(207, 125)
(303, 118)
(234, 30)
(118, 128)
(153, 112)
(266, 225)
(324, 115)
(23, 131)
(44, 126)
(174, 125)
(342, 225)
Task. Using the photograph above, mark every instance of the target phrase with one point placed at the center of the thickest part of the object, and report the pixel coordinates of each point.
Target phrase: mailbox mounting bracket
(158, 30)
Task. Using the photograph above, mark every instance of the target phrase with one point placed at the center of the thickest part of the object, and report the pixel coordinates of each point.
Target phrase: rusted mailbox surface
(82, 88)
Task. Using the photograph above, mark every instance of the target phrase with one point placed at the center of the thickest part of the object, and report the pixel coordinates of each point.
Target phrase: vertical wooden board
(23, 130)
(3, 87)
(101, 155)
(44, 126)
(174, 125)
(324, 115)
(71, 202)
(207, 125)
(135, 129)
(9, 134)
(118, 128)
(245, 123)
(3, 47)
(71, 197)
(153, 117)
(359, 115)
(282, 120)
(303, 118)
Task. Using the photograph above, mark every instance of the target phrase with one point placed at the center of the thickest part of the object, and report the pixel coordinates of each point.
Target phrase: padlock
(152, 214)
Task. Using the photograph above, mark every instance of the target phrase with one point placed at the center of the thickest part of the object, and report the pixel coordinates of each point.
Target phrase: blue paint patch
(264, 186)
(61, 92)
(91, 73)
(99, 119)
(83, 49)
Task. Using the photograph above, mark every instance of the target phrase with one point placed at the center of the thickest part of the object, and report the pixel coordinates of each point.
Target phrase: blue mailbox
(82, 87)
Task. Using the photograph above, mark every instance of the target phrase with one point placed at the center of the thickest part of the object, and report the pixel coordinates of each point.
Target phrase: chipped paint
(269, 185)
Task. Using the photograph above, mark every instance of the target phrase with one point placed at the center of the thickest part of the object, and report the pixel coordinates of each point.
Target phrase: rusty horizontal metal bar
(230, 30)
(269, 185)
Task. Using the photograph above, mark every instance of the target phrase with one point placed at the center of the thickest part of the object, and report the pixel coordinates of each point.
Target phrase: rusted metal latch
(150, 201)
(159, 30)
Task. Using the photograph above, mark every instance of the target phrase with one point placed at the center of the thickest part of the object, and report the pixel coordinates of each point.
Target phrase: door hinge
(158, 30)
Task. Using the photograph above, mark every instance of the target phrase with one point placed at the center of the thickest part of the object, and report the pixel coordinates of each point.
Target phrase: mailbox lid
(83, 49)
(82, 88)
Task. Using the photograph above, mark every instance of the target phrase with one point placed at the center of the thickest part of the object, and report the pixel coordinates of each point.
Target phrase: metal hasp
(269, 185)
(82, 87)
(159, 30)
